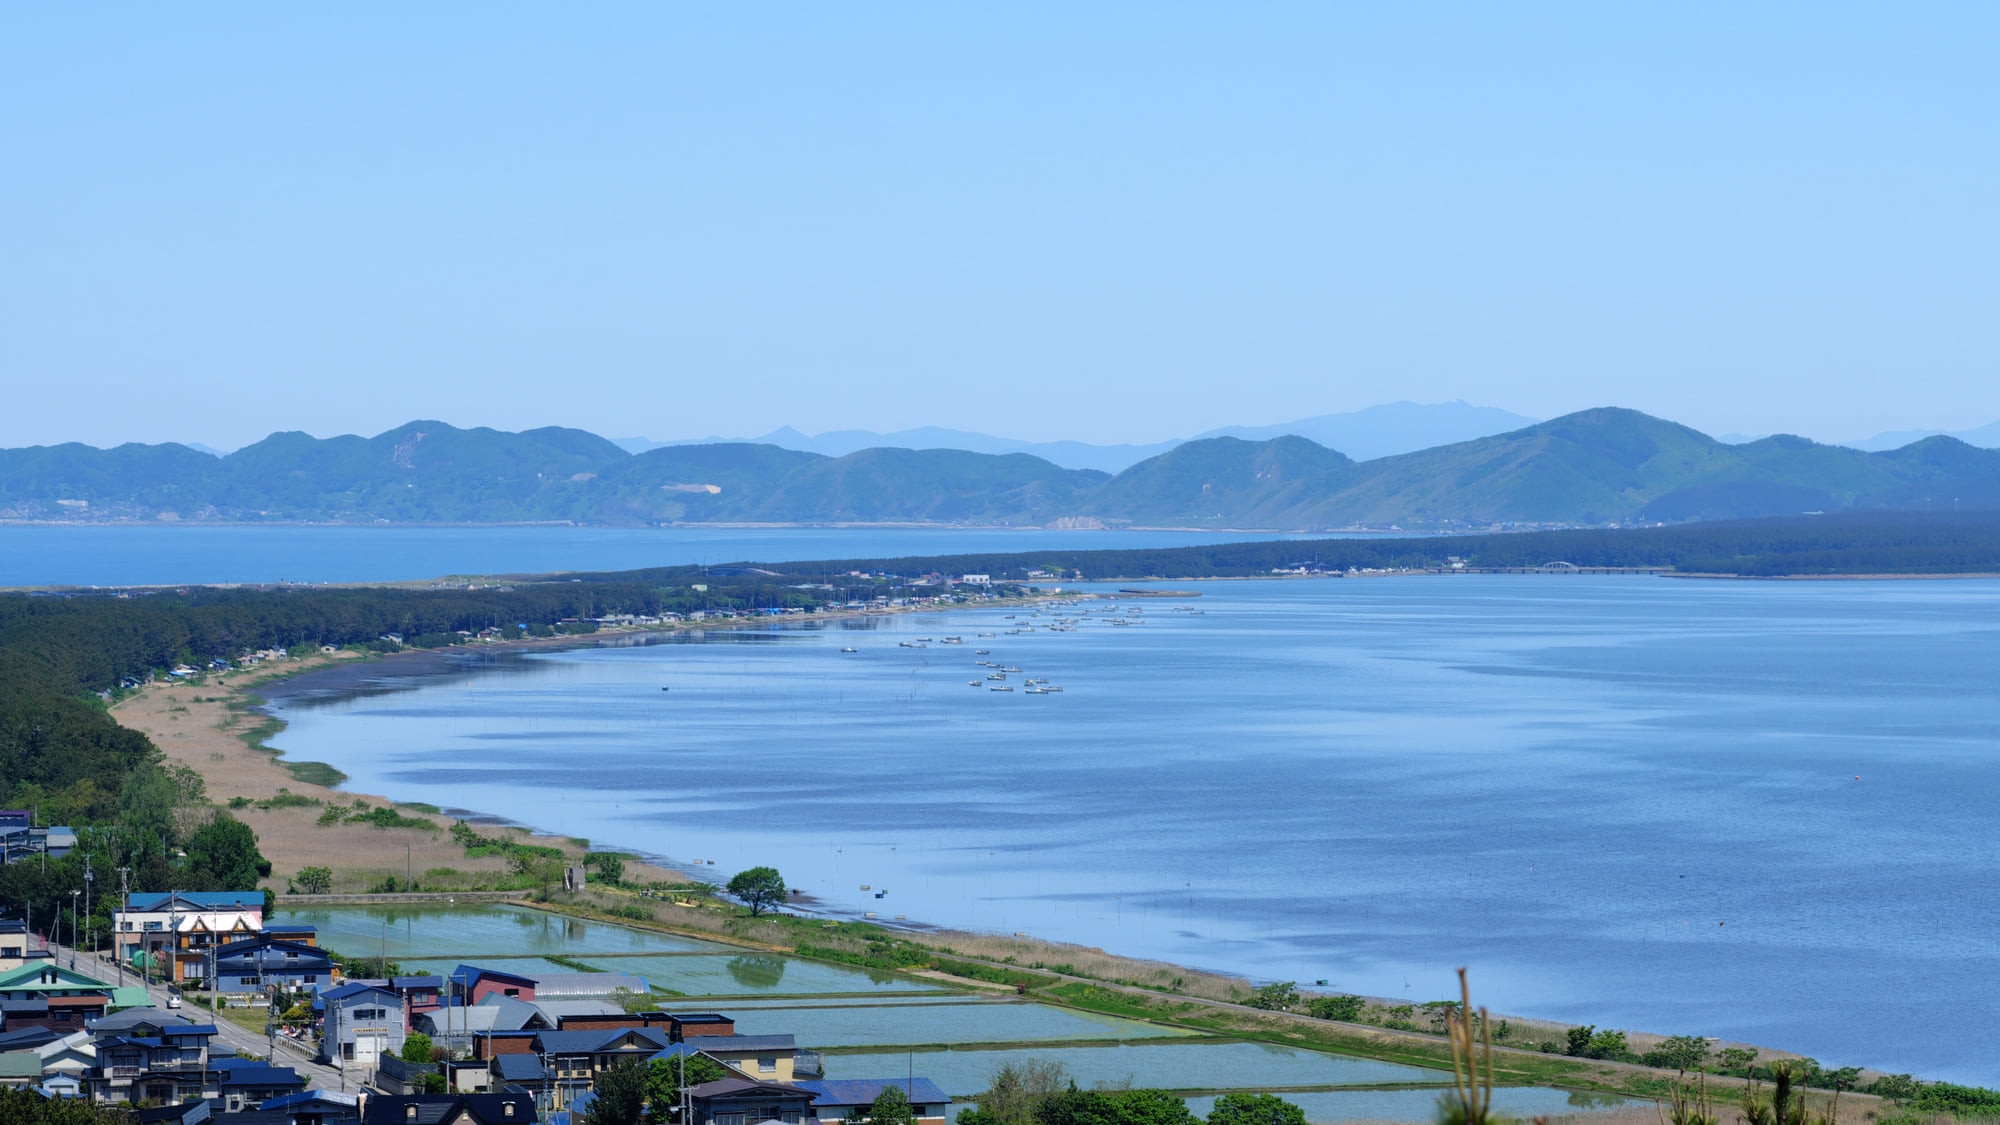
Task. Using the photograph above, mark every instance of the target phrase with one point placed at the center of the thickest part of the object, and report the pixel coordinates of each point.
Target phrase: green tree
(1255, 1109)
(1280, 997)
(313, 880)
(758, 888)
(1151, 1107)
(891, 1107)
(1678, 1052)
(663, 1080)
(1347, 1009)
(417, 1048)
(223, 856)
(19, 1106)
(146, 803)
(1016, 1090)
(621, 1094)
(1578, 1040)
(609, 866)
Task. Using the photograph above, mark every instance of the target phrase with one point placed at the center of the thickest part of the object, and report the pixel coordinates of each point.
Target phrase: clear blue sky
(1104, 222)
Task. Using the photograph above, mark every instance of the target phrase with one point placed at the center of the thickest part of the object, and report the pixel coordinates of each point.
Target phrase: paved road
(241, 1039)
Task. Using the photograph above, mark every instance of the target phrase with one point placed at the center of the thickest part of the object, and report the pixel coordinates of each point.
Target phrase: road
(239, 1038)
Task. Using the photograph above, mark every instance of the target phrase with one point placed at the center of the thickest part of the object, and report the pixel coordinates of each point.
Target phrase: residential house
(73, 1054)
(469, 984)
(495, 1024)
(524, 1072)
(44, 994)
(16, 943)
(575, 1058)
(395, 1076)
(20, 1068)
(692, 1025)
(834, 1100)
(159, 1061)
(304, 935)
(248, 1082)
(745, 1101)
(449, 1109)
(260, 963)
(767, 1058)
(21, 837)
(360, 1023)
(421, 995)
(316, 1107)
(179, 929)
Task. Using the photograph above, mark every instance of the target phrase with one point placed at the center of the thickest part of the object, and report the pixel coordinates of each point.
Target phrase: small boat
(1037, 679)
(986, 634)
(996, 676)
(1010, 668)
(1001, 687)
(983, 651)
(1053, 688)
(972, 683)
(850, 650)
(664, 687)
(1037, 691)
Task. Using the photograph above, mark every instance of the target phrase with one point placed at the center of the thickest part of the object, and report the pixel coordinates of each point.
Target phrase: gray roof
(567, 986)
(494, 1013)
(557, 1009)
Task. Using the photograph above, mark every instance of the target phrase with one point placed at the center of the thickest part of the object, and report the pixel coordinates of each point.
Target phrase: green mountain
(1593, 467)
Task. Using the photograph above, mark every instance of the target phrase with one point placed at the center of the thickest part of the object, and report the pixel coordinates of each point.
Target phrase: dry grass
(195, 725)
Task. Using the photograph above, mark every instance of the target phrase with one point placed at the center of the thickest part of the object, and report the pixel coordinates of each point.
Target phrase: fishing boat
(850, 650)
(972, 683)
(1036, 691)
(983, 651)
(1001, 687)
(996, 675)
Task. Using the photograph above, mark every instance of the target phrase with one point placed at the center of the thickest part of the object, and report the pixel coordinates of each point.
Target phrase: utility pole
(73, 896)
(125, 907)
(89, 877)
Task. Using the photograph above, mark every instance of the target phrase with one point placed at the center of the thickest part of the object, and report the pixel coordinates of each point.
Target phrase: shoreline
(332, 677)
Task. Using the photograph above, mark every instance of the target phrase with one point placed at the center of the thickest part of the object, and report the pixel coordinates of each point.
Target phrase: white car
(173, 999)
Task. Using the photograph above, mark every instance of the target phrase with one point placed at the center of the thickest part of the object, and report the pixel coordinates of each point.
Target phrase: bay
(173, 554)
(1760, 811)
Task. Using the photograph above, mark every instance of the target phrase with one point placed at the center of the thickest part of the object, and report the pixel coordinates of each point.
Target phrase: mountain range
(1378, 431)
(1595, 467)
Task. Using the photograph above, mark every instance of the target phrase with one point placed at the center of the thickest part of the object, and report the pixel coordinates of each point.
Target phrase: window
(252, 981)
(767, 1064)
(727, 1119)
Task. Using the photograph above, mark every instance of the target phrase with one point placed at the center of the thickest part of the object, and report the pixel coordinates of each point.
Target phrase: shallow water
(988, 1022)
(1761, 811)
(1172, 1066)
(476, 930)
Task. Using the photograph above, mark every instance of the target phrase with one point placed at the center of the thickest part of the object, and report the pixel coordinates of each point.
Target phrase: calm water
(1763, 811)
(140, 554)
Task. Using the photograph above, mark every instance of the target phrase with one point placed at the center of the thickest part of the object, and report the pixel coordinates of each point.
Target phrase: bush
(1347, 1009)
(1280, 997)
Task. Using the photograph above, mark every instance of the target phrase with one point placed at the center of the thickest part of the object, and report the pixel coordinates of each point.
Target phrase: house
(575, 1058)
(304, 935)
(421, 995)
(469, 984)
(836, 1100)
(161, 1062)
(449, 1109)
(44, 994)
(395, 1076)
(691, 1025)
(523, 1072)
(20, 1068)
(316, 1107)
(767, 1058)
(260, 963)
(497, 1023)
(21, 838)
(745, 1101)
(73, 1054)
(15, 943)
(178, 929)
(248, 1082)
(361, 1023)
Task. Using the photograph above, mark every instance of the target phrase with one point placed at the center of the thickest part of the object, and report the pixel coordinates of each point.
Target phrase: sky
(1102, 222)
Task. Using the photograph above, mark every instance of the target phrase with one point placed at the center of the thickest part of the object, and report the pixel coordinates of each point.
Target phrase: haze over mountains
(1594, 467)
(1378, 431)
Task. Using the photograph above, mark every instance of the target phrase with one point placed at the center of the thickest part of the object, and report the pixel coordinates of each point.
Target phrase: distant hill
(1985, 437)
(1595, 467)
(1378, 431)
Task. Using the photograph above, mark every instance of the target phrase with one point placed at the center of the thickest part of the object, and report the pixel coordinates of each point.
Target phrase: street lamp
(73, 896)
(89, 877)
